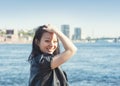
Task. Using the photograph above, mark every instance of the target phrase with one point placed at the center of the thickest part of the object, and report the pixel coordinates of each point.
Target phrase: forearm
(67, 43)
(70, 48)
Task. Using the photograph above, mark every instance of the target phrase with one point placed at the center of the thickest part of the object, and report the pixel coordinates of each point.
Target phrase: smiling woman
(50, 43)
(45, 58)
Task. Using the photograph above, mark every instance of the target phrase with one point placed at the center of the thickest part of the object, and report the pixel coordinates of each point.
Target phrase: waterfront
(94, 64)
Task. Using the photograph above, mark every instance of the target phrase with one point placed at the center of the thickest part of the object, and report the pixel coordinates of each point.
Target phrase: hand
(49, 28)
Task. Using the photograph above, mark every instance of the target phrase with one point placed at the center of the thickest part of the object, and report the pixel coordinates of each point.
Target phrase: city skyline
(95, 18)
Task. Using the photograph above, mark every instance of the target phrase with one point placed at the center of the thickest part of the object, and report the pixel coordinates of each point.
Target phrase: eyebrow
(47, 37)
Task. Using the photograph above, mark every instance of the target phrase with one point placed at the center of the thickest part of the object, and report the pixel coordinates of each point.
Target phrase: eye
(47, 40)
(55, 41)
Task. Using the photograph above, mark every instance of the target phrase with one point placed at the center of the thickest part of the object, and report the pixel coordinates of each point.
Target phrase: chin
(50, 52)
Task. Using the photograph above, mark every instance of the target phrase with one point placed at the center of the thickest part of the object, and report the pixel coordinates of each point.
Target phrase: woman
(45, 58)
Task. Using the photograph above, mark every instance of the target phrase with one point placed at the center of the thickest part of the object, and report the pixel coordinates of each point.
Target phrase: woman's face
(48, 43)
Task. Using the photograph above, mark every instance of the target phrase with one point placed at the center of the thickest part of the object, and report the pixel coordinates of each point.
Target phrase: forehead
(48, 35)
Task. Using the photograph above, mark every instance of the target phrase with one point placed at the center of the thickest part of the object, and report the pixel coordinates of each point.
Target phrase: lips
(50, 50)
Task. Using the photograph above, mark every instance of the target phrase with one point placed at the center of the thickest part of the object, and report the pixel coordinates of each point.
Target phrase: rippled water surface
(93, 65)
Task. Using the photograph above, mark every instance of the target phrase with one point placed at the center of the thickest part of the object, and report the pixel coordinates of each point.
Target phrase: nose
(51, 44)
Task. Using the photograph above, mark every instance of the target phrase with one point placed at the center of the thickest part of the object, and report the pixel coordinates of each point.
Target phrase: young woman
(45, 58)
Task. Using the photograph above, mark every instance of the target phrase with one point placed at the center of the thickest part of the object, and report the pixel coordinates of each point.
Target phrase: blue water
(94, 64)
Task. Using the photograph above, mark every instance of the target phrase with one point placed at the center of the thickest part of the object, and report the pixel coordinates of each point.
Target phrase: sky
(96, 18)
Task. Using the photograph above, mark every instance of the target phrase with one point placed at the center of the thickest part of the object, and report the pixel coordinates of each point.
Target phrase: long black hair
(37, 38)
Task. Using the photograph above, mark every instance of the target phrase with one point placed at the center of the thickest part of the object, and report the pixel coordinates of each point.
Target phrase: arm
(70, 49)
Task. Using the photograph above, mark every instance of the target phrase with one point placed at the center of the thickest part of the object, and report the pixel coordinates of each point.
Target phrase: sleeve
(45, 62)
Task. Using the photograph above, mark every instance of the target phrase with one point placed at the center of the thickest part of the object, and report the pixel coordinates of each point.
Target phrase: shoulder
(43, 58)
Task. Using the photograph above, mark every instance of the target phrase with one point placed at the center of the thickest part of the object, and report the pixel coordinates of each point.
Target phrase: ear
(36, 42)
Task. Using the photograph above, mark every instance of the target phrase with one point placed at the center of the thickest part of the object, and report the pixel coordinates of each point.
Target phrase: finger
(48, 24)
(44, 28)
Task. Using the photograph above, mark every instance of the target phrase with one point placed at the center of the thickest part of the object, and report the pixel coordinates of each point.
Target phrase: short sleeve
(45, 62)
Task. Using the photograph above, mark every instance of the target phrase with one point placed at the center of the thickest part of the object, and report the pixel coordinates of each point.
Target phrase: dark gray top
(41, 73)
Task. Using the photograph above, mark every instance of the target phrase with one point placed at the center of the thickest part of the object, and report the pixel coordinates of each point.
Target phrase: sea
(94, 64)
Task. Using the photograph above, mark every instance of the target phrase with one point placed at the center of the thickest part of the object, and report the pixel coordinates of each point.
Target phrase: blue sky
(96, 18)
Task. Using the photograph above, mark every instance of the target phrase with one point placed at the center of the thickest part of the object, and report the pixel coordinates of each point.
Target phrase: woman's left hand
(49, 28)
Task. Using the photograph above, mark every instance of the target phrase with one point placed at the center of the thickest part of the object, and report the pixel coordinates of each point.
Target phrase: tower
(77, 34)
(66, 30)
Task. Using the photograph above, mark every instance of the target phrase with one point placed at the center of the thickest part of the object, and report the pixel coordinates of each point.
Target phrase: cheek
(56, 45)
(42, 45)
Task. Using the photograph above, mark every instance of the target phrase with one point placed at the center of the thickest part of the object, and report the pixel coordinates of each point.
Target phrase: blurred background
(92, 25)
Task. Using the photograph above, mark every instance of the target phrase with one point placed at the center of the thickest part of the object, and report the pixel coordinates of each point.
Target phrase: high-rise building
(66, 30)
(77, 34)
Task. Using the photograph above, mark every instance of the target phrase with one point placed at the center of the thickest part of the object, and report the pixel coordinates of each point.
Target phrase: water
(93, 65)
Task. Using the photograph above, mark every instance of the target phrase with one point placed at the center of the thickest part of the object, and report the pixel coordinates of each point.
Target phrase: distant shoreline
(15, 42)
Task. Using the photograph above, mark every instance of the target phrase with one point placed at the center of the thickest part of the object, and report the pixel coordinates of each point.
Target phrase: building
(77, 34)
(11, 35)
(66, 30)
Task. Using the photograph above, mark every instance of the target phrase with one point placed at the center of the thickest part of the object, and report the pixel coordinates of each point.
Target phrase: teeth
(50, 50)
